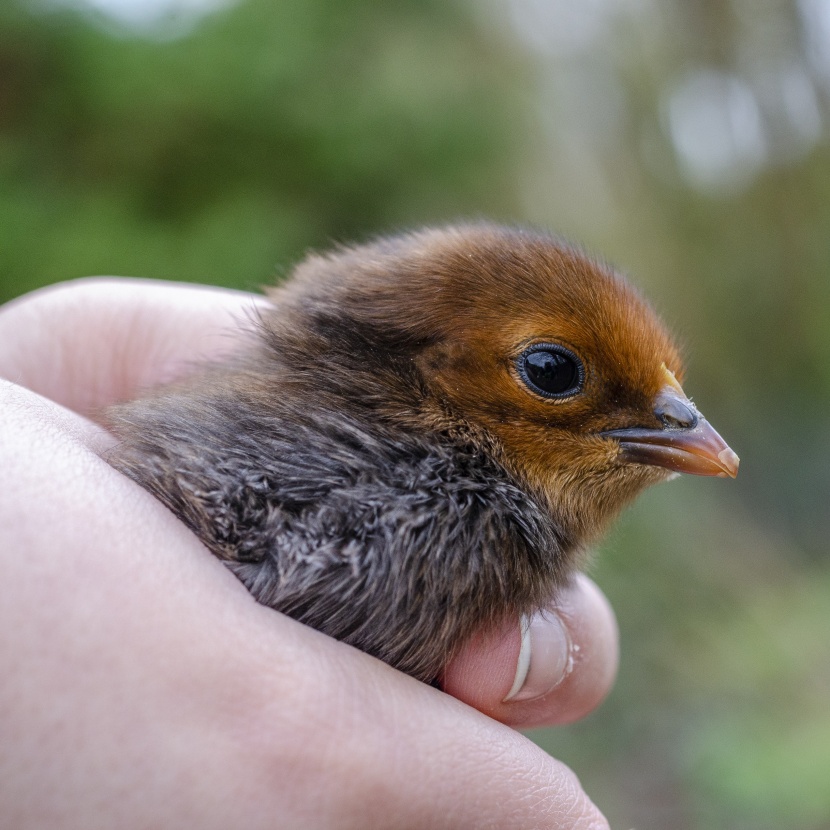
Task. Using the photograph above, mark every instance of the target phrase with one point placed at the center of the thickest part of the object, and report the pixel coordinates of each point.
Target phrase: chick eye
(551, 370)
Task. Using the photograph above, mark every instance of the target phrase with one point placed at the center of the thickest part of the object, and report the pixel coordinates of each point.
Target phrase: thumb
(552, 668)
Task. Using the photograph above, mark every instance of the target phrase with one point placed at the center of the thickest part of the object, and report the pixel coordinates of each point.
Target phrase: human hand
(145, 686)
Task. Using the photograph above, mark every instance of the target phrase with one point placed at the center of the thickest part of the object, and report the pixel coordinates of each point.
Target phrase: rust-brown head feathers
(424, 435)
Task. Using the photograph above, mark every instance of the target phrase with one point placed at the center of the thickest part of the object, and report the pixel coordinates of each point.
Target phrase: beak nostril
(675, 413)
(670, 422)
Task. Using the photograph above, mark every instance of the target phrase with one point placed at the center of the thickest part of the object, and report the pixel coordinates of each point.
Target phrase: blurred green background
(686, 141)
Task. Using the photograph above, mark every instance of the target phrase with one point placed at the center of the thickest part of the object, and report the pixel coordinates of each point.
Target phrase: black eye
(551, 370)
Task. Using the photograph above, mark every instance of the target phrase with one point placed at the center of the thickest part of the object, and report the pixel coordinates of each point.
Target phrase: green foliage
(223, 155)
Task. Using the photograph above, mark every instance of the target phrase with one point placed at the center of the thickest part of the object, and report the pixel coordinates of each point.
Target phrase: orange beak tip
(730, 462)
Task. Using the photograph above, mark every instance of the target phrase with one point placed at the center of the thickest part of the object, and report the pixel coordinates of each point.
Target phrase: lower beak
(693, 448)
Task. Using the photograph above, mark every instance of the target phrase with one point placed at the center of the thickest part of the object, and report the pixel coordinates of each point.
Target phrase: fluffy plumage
(376, 463)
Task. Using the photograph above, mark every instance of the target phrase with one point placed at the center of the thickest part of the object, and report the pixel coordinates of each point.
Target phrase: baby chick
(423, 435)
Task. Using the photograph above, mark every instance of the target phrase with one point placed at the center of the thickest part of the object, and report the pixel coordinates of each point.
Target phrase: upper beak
(686, 443)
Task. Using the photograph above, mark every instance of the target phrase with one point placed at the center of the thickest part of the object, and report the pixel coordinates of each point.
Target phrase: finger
(554, 668)
(89, 343)
(229, 714)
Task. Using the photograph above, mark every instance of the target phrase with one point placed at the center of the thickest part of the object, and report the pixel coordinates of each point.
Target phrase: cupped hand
(143, 686)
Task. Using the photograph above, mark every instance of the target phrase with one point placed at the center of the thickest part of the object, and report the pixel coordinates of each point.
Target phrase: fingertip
(573, 657)
(484, 671)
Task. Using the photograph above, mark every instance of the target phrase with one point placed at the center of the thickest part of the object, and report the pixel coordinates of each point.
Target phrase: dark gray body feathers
(399, 544)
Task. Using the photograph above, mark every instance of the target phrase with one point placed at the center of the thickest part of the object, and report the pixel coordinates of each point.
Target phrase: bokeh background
(687, 141)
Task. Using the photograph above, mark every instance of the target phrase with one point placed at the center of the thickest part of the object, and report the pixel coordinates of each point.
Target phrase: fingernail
(545, 658)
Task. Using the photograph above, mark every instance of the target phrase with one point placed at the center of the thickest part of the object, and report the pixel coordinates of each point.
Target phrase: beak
(686, 443)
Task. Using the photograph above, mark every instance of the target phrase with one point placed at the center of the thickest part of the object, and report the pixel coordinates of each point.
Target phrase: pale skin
(143, 687)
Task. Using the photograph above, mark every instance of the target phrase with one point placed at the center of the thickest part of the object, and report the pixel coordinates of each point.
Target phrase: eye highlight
(551, 370)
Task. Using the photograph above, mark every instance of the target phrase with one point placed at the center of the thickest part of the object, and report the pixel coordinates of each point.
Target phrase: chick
(423, 435)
